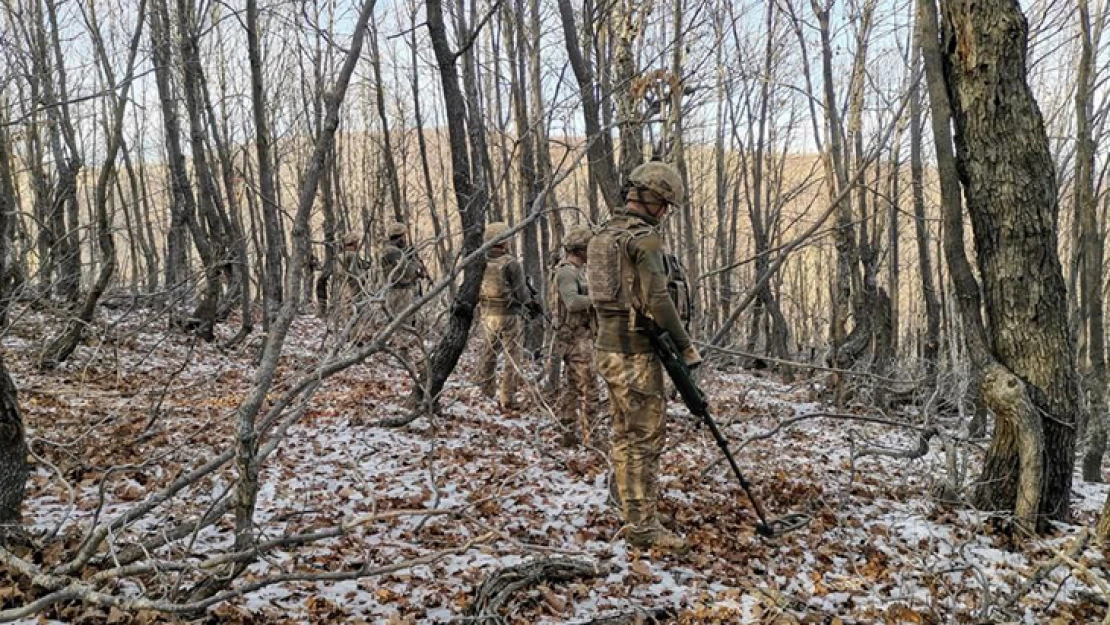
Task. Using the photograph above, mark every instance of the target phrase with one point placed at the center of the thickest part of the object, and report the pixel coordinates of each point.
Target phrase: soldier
(503, 298)
(628, 286)
(575, 328)
(401, 268)
(352, 273)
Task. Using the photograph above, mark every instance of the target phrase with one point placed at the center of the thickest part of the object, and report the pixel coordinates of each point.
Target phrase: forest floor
(879, 549)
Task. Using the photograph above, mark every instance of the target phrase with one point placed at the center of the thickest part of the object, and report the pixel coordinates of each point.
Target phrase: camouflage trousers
(578, 395)
(639, 429)
(353, 312)
(398, 299)
(408, 337)
(501, 334)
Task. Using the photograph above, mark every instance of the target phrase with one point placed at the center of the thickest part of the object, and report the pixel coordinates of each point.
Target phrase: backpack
(495, 288)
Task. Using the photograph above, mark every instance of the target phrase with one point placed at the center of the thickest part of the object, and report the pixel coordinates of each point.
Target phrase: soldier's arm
(567, 284)
(390, 258)
(514, 278)
(647, 254)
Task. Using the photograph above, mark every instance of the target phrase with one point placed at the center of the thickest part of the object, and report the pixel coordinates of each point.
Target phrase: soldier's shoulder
(647, 241)
(565, 269)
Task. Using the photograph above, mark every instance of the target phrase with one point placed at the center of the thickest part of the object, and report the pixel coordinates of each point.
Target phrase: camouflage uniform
(401, 269)
(628, 286)
(575, 329)
(352, 272)
(502, 298)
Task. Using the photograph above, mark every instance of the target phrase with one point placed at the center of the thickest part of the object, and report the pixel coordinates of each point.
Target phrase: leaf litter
(138, 405)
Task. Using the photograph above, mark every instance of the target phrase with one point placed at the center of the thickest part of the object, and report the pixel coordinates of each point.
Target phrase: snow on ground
(154, 403)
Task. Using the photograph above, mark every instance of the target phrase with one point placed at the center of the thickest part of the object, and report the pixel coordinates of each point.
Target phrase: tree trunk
(967, 298)
(931, 343)
(383, 118)
(1092, 250)
(1009, 181)
(246, 491)
(59, 349)
(599, 146)
(271, 211)
(471, 201)
(529, 182)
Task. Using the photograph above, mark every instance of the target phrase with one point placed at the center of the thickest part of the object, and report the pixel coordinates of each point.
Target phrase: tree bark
(1009, 181)
(271, 211)
(471, 201)
(1092, 250)
(599, 146)
(931, 343)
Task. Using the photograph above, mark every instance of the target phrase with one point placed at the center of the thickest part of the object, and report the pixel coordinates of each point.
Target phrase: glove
(691, 357)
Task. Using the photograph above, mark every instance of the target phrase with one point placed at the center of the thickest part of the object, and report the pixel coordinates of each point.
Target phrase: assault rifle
(695, 400)
(533, 307)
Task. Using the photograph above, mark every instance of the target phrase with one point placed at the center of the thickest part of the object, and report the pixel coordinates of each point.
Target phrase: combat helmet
(660, 178)
(494, 230)
(577, 239)
(396, 229)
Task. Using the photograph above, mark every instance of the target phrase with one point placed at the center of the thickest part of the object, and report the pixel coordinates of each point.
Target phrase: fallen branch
(498, 589)
(639, 616)
(72, 590)
(1070, 553)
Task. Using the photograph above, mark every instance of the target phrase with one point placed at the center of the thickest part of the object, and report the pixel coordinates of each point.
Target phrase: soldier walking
(503, 297)
(628, 286)
(575, 329)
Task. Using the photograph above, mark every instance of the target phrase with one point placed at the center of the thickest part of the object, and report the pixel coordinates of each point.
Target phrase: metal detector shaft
(665, 348)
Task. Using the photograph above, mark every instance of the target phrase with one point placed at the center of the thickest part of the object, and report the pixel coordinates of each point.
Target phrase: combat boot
(655, 536)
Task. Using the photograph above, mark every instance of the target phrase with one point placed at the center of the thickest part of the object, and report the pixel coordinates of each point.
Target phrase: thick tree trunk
(1009, 181)
(968, 301)
(13, 455)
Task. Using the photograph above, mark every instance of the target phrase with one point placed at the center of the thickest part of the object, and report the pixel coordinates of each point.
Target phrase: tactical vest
(609, 273)
(399, 267)
(495, 288)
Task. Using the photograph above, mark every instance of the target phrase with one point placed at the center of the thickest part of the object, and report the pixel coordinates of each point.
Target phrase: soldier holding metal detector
(628, 287)
(641, 334)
